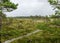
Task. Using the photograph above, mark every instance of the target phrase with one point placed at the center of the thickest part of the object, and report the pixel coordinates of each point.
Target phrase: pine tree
(8, 6)
(56, 5)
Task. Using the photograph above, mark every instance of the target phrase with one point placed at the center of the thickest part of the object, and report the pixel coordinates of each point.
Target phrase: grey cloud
(31, 7)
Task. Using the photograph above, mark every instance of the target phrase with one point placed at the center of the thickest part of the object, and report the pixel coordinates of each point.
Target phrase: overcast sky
(31, 7)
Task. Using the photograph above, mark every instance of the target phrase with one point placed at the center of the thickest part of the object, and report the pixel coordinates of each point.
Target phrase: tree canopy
(56, 5)
(7, 4)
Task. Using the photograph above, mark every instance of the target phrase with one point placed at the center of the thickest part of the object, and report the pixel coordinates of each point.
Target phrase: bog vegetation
(13, 27)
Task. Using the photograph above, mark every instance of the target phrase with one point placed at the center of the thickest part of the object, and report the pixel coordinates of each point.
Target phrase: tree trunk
(0, 22)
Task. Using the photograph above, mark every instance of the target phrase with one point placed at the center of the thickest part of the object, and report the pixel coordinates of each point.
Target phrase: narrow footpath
(9, 41)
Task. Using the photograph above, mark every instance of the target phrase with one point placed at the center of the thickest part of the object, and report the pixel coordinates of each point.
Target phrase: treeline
(38, 17)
